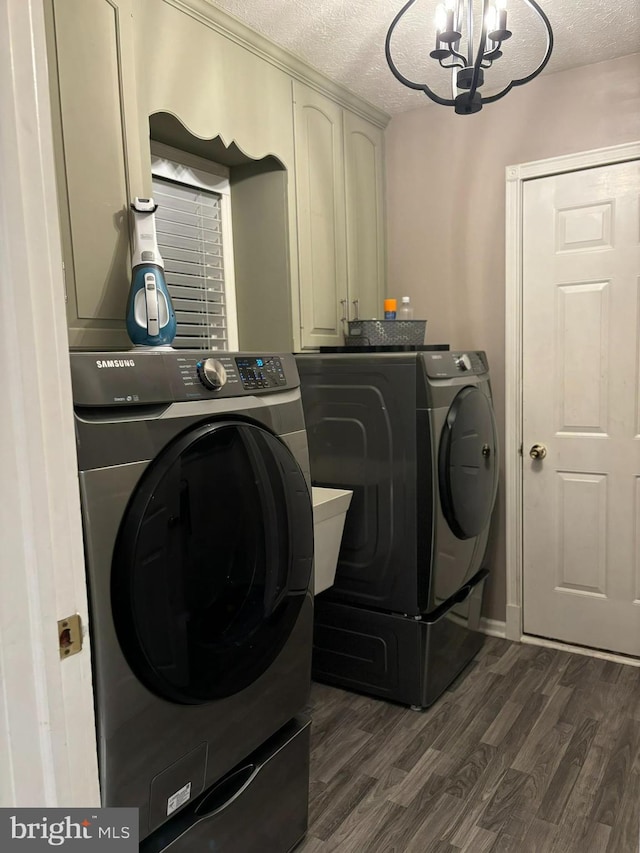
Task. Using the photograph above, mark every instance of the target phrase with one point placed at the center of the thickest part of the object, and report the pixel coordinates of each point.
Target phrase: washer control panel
(144, 377)
(257, 372)
(448, 365)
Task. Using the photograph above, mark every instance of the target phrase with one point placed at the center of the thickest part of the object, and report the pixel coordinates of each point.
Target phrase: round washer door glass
(212, 562)
(468, 467)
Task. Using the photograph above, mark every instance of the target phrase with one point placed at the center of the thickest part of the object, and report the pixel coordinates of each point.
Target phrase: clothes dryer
(413, 436)
(194, 483)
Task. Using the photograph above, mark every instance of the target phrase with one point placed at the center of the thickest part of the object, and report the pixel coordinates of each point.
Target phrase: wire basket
(365, 333)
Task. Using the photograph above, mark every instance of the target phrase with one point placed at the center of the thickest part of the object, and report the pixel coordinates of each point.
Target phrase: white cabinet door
(340, 205)
(322, 250)
(91, 54)
(364, 175)
(581, 333)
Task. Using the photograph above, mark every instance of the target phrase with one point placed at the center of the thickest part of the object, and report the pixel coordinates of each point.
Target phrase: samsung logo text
(115, 362)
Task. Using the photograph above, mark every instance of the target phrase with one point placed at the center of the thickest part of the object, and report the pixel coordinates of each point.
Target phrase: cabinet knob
(356, 303)
(343, 302)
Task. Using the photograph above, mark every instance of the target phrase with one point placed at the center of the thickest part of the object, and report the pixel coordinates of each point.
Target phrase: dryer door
(468, 465)
(212, 562)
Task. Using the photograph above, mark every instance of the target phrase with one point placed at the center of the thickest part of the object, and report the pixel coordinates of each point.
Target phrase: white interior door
(581, 401)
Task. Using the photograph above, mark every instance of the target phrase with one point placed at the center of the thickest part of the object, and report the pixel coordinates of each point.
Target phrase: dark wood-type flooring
(531, 750)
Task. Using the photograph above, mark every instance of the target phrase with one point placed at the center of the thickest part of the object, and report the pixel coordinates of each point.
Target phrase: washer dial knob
(212, 373)
(463, 362)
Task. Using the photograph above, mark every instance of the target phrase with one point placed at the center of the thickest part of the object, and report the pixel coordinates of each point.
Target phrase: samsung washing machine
(194, 481)
(413, 435)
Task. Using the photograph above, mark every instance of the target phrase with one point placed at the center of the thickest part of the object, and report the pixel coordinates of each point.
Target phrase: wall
(446, 209)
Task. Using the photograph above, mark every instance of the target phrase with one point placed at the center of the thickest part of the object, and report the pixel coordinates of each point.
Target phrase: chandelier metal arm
(494, 53)
(470, 25)
(480, 53)
(421, 87)
(453, 65)
(459, 56)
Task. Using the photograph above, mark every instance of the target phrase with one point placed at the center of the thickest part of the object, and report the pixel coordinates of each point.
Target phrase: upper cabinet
(322, 236)
(364, 182)
(120, 68)
(98, 163)
(212, 83)
(339, 181)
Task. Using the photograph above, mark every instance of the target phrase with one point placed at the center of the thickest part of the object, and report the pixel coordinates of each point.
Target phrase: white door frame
(47, 726)
(515, 178)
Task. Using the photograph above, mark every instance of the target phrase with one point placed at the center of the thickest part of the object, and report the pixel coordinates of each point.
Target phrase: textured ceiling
(345, 40)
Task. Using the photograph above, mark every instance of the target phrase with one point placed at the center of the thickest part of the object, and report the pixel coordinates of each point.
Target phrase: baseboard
(493, 627)
(577, 650)
(496, 628)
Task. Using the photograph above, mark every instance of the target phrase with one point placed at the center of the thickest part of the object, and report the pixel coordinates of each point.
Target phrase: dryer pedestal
(397, 657)
(261, 805)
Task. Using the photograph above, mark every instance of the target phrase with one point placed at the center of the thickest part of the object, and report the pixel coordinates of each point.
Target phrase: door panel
(582, 504)
(583, 318)
(581, 360)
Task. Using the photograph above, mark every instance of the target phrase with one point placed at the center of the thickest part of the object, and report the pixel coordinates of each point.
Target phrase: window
(193, 224)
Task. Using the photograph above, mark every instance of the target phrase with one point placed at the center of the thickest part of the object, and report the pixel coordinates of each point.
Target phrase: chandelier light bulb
(446, 24)
(491, 19)
(498, 31)
(441, 50)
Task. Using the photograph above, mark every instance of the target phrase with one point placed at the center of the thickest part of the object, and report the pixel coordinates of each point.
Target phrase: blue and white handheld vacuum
(150, 318)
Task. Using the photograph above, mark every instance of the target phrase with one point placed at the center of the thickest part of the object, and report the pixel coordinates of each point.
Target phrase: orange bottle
(390, 307)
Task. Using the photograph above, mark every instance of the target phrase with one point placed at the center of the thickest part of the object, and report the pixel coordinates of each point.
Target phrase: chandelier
(468, 56)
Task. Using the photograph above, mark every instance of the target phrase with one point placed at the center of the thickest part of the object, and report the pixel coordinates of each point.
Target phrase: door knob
(538, 451)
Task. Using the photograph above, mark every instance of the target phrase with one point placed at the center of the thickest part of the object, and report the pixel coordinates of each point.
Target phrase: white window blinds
(189, 224)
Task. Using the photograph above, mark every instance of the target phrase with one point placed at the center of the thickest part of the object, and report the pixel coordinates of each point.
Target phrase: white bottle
(405, 311)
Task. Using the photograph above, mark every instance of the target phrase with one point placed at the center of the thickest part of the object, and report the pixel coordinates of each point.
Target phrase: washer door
(468, 467)
(212, 562)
